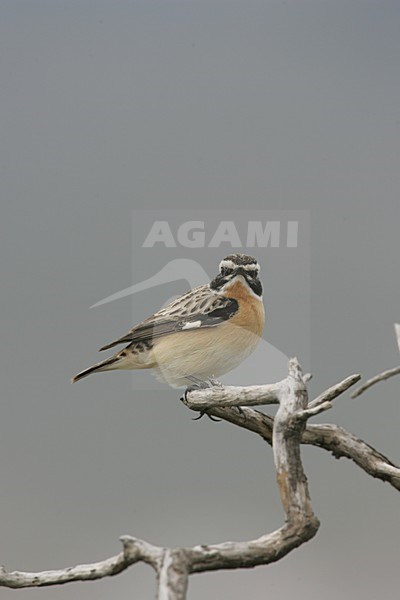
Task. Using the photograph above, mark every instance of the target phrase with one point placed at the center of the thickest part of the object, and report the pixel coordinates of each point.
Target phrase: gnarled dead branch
(286, 432)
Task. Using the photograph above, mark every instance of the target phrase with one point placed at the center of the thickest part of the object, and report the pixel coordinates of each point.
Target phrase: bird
(200, 335)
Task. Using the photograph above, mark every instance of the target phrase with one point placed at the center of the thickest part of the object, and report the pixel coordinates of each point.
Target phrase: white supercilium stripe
(229, 264)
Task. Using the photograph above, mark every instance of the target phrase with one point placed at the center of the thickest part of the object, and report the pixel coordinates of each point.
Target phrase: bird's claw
(200, 384)
(204, 412)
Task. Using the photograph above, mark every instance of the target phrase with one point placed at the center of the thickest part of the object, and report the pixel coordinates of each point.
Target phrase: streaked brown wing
(161, 324)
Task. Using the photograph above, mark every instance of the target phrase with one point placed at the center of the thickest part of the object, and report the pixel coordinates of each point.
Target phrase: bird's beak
(240, 271)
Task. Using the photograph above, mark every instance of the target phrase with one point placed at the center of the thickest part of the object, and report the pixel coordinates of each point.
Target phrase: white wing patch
(192, 325)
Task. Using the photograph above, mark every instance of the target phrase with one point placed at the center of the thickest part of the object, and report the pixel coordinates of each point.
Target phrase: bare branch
(173, 575)
(253, 395)
(335, 391)
(315, 410)
(174, 565)
(135, 551)
(332, 438)
(382, 376)
(370, 382)
(301, 523)
(397, 331)
(294, 490)
(285, 433)
(257, 395)
(134, 547)
(342, 443)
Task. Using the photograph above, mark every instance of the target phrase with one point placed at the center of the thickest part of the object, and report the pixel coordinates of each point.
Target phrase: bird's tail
(106, 365)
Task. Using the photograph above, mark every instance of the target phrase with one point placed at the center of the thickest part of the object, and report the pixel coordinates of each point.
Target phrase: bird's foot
(197, 384)
(200, 384)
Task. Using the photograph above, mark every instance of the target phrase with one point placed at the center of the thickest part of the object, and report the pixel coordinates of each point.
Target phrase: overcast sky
(283, 110)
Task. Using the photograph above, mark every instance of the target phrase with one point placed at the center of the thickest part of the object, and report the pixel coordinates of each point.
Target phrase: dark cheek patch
(255, 285)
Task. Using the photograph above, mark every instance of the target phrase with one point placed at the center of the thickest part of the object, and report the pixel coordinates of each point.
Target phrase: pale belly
(202, 354)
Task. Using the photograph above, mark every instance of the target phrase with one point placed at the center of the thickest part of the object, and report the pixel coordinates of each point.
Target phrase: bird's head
(236, 266)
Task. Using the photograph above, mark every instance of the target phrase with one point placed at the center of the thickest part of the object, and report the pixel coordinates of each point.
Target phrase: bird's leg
(200, 384)
(196, 384)
(214, 382)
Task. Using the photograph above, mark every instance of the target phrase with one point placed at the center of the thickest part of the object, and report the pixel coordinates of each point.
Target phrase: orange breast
(251, 313)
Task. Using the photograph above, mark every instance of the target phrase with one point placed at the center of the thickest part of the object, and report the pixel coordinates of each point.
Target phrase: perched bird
(202, 334)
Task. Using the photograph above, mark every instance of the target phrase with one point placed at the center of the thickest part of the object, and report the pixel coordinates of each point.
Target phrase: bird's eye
(225, 271)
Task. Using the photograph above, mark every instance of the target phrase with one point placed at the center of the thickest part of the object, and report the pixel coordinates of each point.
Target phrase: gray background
(110, 106)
